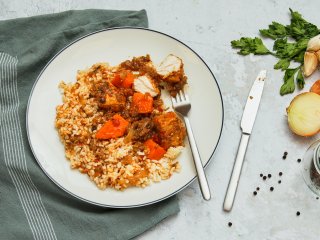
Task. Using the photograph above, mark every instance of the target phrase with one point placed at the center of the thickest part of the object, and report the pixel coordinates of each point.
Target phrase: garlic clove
(314, 44)
(318, 55)
(310, 63)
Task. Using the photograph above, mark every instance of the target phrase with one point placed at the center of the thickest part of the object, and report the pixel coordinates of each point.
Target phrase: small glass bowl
(311, 167)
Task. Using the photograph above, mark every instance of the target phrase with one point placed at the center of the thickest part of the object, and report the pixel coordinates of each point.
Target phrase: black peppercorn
(298, 213)
(299, 160)
(264, 177)
(280, 173)
(269, 175)
(271, 189)
(254, 193)
(229, 224)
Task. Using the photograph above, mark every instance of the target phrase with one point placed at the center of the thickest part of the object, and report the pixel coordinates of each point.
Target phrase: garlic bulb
(312, 56)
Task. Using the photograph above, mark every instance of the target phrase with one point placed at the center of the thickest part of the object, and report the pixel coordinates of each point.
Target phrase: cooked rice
(105, 162)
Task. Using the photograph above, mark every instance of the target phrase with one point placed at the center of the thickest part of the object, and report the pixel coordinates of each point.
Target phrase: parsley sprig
(290, 44)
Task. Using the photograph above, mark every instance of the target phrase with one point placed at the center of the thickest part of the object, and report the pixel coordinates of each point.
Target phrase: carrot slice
(117, 81)
(154, 150)
(113, 128)
(128, 80)
(142, 103)
(123, 79)
(316, 87)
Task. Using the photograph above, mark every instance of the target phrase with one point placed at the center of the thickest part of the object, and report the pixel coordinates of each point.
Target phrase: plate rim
(107, 205)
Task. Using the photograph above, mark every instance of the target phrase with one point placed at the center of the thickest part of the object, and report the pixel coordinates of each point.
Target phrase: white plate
(114, 46)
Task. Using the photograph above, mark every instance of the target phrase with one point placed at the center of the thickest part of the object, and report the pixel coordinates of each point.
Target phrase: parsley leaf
(275, 30)
(300, 79)
(250, 45)
(288, 85)
(282, 64)
(285, 49)
(300, 28)
(299, 57)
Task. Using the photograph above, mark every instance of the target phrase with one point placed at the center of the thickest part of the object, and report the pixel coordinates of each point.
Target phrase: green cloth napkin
(31, 206)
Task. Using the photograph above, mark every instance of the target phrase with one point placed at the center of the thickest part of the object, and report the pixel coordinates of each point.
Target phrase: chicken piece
(170, 129)
(171, 69)
(141, 130)
(112, 99)
(145, 84)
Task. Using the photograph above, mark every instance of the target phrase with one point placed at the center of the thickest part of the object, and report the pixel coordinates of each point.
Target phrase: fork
(181, 104)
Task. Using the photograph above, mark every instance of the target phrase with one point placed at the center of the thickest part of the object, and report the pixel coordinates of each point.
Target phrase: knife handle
(234, 180)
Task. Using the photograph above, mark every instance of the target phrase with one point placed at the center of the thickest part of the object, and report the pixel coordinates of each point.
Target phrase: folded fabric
(31, 206)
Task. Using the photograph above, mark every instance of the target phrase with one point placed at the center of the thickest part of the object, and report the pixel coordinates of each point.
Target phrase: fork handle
(204, 187)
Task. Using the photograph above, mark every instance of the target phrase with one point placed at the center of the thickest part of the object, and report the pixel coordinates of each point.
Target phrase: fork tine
(174, 100)
(186, 97)
(182, 95)
(178, 97)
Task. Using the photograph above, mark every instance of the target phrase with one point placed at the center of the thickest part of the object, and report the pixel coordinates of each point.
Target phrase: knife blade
(247, 122)
(253, 102)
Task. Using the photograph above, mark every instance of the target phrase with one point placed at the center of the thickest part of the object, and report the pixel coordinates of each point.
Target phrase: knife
(247, 121)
